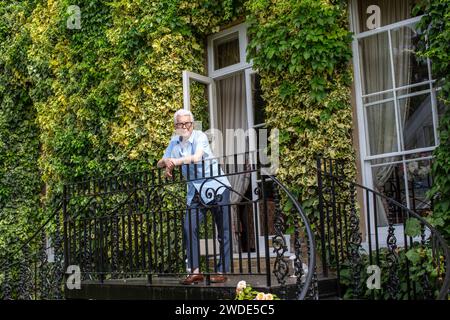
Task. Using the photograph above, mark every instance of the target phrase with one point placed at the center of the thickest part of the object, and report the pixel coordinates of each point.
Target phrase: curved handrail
(443, 293)
(446, 284)
(312, 246)
(303, 217)
(2, 267)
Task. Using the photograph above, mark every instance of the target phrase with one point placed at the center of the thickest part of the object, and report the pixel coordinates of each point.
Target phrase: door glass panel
(226, 51)
(257, 100)
(232, 113)
(199, 105)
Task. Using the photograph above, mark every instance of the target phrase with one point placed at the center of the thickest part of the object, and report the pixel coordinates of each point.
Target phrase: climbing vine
(100, 98)
(20, 183)
(435, 35)
(92, 101)
(302, 51)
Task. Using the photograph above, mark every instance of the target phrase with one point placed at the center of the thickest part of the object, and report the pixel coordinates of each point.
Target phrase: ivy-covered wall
(20, 180)
(435, 26)
(92, 101)
(105, 94)
(302, 51)
(99, 100)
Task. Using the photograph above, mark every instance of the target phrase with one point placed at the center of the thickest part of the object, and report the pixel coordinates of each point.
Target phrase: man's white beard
(184, 134)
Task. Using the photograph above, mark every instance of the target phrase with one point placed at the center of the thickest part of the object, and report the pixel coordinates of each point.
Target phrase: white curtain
(377, 76)
(232, 114)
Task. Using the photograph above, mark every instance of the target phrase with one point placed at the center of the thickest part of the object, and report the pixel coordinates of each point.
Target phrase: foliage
(302, 50)
(92, 101)
(418, 260)
(99, 100)
(105, 93)
(245, 292)
(435, 27)
(20, 184)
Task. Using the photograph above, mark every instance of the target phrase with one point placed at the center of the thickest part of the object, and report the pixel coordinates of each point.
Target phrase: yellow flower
(260, 296)
(268, 296)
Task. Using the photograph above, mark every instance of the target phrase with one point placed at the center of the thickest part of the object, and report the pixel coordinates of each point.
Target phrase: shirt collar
(191, 138)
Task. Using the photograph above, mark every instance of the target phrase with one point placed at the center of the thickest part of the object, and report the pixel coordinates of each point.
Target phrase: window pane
(419, 182)
(390, 11)
(376, 72)
(226, 51)
(382, 132)
(417, 121)
(408, 67)
(389, 180)
(258, 102)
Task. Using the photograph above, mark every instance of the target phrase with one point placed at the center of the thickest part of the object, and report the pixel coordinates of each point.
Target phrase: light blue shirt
(178, 149)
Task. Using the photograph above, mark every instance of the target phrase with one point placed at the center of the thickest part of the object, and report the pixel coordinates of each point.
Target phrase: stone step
(169, 288)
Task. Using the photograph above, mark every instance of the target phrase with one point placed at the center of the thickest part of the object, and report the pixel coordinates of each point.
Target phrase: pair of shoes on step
(198, 277)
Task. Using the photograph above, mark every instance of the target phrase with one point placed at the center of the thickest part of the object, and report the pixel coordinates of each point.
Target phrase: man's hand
(169, 164)
(168, 173)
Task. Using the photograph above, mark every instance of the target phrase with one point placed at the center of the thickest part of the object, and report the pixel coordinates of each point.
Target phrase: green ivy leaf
(413, 256)
(412, 227)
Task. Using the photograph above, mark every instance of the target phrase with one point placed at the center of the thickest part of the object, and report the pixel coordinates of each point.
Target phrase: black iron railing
(35, 270)
(132, 226)
(359, 242)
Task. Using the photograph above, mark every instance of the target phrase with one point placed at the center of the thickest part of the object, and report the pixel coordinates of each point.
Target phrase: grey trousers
(221, 215)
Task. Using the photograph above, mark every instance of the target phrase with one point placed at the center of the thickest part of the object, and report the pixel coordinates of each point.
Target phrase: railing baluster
(355, 245)
(249, 259)
(230, 236)
(141, 228)
(101, 245)
(255, 218)
(149, 249)
(266, 230)
(405, 239)
(392, 261)
(321, 217)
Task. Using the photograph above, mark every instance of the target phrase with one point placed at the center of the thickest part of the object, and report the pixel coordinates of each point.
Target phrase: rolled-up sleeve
(168, 151)
(202, 143)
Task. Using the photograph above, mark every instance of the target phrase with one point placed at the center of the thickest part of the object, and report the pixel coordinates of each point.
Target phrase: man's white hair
(182, 112)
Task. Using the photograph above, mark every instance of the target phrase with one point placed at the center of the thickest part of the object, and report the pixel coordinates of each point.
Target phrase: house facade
(306, 80)
(394, 104)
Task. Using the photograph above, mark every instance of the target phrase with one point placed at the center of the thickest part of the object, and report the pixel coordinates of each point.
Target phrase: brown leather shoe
(192, 279)
(220, 278)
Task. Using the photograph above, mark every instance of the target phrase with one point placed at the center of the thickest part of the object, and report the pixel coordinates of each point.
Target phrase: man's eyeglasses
(186, 125)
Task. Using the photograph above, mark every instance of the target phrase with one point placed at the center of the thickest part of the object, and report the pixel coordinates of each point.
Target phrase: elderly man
(210, 187)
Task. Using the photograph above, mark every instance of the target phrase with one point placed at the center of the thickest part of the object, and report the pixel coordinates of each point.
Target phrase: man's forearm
(161, 163)
(187, 160)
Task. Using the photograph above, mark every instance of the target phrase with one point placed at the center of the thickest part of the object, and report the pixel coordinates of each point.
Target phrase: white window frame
(188, 77)
(367, 179)
(246, 67)
(243, 42)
